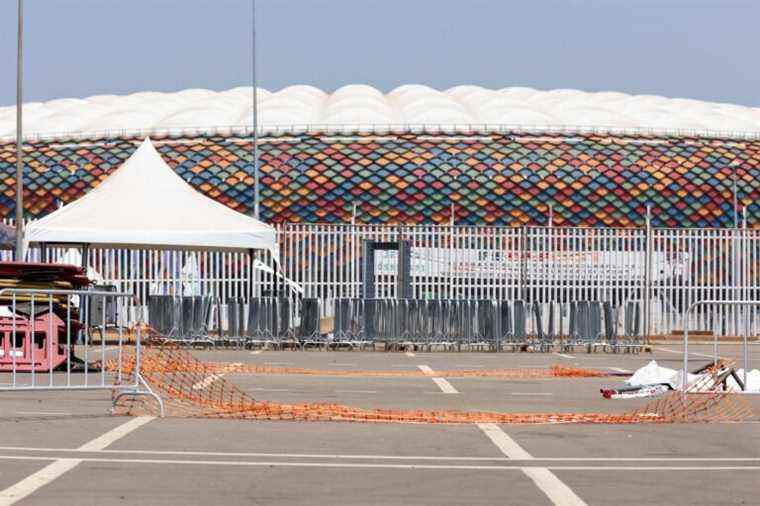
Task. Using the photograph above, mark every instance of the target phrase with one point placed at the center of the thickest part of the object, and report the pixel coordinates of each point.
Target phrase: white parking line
(666, 350)
(503, 442)
(107, 439)
(445, 386)
(207, 381)
(562, 495)
(49, 473)
(257, 352)
(619, 369)
(329, 456)
(43, 413)
(97, 349)
(410, 354)
(564, 355)
(557, 492)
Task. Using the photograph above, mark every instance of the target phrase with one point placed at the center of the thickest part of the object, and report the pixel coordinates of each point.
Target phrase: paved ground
(61, 448)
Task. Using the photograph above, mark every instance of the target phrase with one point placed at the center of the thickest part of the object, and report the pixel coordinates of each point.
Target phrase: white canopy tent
(145, 203)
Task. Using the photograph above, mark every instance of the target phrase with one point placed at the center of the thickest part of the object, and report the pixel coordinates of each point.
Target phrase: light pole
(19, 136)
(734, 164)
(735, 246)
(255, 116)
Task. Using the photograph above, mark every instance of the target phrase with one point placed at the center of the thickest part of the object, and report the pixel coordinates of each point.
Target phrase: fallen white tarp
(753, 381)
(654, 374)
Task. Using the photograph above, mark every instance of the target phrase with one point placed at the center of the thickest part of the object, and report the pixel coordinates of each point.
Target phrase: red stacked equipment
(33, 330)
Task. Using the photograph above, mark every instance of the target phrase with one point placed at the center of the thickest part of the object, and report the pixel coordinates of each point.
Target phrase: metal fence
(69, 340)
(664, 270)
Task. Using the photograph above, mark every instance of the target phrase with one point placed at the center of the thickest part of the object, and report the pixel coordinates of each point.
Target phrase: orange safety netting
(190, 388)
(555, 371)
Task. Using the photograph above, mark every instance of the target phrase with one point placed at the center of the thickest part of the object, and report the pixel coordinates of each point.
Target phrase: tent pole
(250, 274)
(85, 256)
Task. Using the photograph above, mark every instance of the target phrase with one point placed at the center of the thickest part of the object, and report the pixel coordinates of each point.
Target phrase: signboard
(562, 266)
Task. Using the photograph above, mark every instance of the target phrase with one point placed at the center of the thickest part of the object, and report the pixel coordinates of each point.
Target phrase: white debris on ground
(753, 381)
(654, 374)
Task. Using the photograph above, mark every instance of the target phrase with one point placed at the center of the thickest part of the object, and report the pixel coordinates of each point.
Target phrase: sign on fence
(538, 265)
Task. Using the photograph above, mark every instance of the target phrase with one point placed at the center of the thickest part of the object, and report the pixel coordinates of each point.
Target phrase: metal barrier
(184, 320)
(270, 321)
(479, 324)
(745, 329)
(189, 320)
(47, 344)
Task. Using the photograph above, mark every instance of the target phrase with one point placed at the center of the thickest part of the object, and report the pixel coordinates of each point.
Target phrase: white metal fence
(665, 269)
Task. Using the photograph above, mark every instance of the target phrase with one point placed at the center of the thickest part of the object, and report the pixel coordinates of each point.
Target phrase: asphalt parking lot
(63, 447)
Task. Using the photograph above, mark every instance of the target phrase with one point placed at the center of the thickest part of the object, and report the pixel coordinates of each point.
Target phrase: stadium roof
(364, 108)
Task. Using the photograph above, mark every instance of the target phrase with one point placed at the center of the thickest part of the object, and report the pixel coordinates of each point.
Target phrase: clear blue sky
(680, 48)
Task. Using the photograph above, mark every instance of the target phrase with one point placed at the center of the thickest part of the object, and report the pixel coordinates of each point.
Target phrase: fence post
(524, 249)
(648, 276)
(450, 272)
(368, 269)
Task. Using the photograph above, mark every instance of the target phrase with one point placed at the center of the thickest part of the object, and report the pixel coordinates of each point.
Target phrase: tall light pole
(734, 164)
(255, 116)
(19, 136)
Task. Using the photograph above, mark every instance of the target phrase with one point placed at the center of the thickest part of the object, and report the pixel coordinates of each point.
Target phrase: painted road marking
(445, 386)
(43, 413)
(564, 355)
(562, 495)
(690, 353)
(503, 442)
(410, 354)
(96, 349)
(557, 492)
(207, 381)
(104, 441)
(257, 352)
(68, 451)
(49, 473)
(619, 369)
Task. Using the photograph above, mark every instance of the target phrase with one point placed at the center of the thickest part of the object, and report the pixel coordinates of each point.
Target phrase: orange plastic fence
(555, 371)
(191, 388)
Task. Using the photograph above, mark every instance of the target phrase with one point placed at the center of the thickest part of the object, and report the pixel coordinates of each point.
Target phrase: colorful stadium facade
(397, 162)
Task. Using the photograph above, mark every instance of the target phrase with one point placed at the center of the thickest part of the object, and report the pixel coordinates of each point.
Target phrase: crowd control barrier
(476, 325)
(47, 343)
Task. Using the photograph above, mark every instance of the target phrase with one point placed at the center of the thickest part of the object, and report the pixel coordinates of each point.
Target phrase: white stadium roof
(362, 107)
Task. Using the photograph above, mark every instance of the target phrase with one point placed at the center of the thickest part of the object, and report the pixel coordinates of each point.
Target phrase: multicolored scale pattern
(497, 179)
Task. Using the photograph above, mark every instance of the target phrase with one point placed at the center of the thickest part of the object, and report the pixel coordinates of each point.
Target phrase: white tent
(145, 203)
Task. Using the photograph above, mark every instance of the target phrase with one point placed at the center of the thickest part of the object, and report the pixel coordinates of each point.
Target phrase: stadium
(412, 156)
(588, 233)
